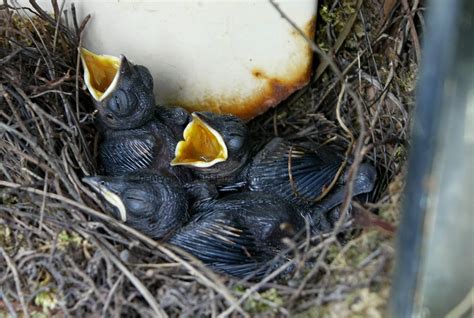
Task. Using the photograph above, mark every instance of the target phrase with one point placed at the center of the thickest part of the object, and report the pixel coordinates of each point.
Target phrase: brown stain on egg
(274, 90)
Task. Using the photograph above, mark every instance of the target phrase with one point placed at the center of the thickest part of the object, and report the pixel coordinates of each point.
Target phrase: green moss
(407, 80)
(332, 252)
(365, 245)
(68, 239)
(362, 303)
(259, 302)
(337, 17)
(8, 199)
(10, 241)
(6, 239)
(273, 296)
(240, 289)
(47, 299)
(313, 312)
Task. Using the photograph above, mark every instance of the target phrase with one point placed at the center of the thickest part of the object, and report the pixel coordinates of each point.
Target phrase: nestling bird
(242, 233)
(238, 234)
(153, 204)
(217, 149)
(134, 136)
(301, 175)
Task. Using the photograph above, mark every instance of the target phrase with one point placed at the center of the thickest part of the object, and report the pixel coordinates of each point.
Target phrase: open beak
(109, 196)
(202, 146)
(100, 73)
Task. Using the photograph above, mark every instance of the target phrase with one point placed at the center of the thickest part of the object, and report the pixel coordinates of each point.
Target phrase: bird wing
(233, 187)
(310, 173)
(222, 244)
(123, 154)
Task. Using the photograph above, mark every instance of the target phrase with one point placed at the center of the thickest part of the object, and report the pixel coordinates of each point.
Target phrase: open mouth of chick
(202, 146)
(100, 73)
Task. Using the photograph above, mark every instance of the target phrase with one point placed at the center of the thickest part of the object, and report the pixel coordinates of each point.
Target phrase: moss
(361, 303)
(11, 241)
(6, 238)
(313, 312)
(259, 302)
(69, 239)
(407, 80)
(47, 299)
(332, 253)
(239, 288)
(39, 314)
(337, 17)
(8, 199)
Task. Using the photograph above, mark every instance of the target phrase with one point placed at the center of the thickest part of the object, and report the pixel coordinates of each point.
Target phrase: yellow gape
(100, 72)
(202, 146)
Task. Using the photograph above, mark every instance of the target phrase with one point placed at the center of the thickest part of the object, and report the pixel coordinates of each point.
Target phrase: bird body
(136, 133)
(151, 203)
(294, 173)
(241, 233)
(150, 146)
(304, 176)
(238, 234)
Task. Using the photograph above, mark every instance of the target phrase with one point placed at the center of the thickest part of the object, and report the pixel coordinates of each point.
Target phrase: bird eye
(117, 102)
(138, 201)
(122, 103)
(235, 143)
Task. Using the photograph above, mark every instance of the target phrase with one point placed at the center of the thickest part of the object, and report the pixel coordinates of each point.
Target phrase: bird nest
(62, 254)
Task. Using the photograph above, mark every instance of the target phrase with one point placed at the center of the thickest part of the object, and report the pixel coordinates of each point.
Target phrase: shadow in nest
(60, 253)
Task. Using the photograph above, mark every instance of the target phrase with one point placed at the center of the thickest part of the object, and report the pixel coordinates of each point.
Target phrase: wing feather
(127, 154)
(311, 171)
(223, 244)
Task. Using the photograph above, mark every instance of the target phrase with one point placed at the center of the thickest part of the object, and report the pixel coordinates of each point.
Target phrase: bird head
(212, 140)
(365, 179)
(152, 204)
(122, 92)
